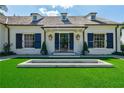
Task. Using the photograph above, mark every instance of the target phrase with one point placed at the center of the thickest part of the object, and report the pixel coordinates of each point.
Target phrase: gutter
(64, 27)
(102, 24)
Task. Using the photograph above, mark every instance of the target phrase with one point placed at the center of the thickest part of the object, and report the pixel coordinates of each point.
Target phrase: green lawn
(12, 77)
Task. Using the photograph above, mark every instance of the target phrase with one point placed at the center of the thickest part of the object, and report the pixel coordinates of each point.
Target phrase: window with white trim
(34, 18)
(99, 40)
(29, 40)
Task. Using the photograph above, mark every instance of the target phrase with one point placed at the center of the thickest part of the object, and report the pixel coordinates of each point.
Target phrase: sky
(115, 12)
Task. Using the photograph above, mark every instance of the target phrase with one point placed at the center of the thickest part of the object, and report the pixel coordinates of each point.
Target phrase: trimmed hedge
(44, 49)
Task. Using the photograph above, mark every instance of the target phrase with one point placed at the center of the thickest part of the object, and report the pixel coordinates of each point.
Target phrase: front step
(64, 54)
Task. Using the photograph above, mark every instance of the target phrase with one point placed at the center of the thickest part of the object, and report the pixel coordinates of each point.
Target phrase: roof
(52, 21)
(2, 19)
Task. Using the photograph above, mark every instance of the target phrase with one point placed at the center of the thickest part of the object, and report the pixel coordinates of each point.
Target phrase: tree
(3, 8)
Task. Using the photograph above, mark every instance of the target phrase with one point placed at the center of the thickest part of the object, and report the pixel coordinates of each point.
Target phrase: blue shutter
(71, 35)
(109, 40)
(90, 40)
(18, 40)
(56, 41)
(37, 43)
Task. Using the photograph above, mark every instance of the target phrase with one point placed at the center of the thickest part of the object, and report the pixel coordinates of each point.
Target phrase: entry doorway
(64, 42)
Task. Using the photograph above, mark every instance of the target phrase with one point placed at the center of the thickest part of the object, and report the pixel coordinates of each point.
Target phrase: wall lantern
(77, 36)
(50, 37)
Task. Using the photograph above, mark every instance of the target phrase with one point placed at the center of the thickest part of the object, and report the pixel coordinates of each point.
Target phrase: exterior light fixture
(77, 36)
(50, 37)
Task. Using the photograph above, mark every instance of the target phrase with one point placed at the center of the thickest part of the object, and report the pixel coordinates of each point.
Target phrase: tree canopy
(3, 8)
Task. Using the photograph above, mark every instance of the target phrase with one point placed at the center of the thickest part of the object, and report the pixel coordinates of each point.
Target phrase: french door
(64, 42)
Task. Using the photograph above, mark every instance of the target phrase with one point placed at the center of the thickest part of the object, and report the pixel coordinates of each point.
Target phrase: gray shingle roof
(53, 21)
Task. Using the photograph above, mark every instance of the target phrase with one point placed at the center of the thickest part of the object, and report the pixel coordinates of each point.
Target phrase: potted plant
(85, 50)
(44, 49)
(122, 48)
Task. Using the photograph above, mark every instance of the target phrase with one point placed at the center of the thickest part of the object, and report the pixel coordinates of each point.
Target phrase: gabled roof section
(106, 21)
(22, 20)
(54, 21)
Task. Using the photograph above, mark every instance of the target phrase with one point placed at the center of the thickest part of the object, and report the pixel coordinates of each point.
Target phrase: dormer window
(34, 18)
(91, 16)
(64, 16)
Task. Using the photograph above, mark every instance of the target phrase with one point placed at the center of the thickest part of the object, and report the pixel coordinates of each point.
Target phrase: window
(29, 40)
(34, 18)
(93, 17)
(99, 40)
(64, 18)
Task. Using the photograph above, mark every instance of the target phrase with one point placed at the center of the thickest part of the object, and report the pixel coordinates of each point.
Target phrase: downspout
(84, 37)
(116, 46)
(44, 34)
(8, 30)
(84, 34)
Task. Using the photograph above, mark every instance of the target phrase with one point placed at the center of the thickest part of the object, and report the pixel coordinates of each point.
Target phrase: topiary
(85, 49)
(44, 49)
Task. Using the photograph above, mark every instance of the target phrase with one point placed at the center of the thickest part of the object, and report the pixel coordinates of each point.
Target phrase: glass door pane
(63, 41)
(56, 41)
(71, 41)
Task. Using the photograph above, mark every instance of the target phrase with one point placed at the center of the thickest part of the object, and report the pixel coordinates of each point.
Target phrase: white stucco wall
(50, 43)
(24, 30)
(104, 30)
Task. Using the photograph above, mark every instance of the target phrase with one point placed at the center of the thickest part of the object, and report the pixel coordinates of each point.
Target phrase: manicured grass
(13, 77)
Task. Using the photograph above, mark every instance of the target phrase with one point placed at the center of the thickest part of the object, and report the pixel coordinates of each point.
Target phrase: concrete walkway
(117, 56)
(7, 57)
(14, 56)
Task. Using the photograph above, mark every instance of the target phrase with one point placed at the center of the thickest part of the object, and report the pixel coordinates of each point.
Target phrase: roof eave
(101, 24)
(64, 26)
(23, 25)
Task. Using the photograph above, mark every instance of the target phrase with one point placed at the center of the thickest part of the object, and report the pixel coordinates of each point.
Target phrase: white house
(63, 34)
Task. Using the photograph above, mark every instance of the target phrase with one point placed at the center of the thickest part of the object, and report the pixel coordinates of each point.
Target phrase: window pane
(99, 40)
(28, 40)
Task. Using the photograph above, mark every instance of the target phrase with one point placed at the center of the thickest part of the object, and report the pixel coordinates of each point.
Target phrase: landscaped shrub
(44, 49)
(6, 54)
(122, 48)
(6, 50)
(85, 49)
(6, 47)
